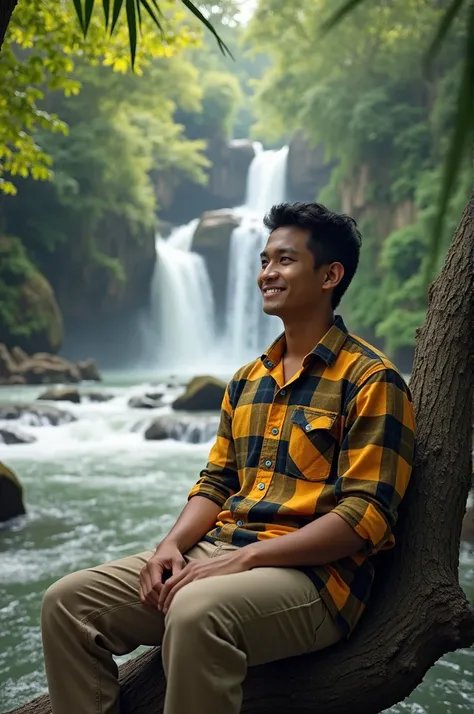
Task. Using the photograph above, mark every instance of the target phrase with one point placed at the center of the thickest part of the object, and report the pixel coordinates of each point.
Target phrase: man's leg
(86, 618)
(218, 626)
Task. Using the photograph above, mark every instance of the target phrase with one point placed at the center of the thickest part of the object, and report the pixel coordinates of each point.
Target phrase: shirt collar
(327, 349)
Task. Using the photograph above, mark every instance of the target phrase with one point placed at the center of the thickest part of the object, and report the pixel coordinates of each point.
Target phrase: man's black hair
(333, 237)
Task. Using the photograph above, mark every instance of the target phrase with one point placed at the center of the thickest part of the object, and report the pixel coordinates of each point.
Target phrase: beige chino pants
(213, 630)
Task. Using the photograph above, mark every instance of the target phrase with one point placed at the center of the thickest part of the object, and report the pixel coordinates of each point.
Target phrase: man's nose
(270, 271)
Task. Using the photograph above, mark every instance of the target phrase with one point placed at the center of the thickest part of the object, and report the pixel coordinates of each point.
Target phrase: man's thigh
(270, 613)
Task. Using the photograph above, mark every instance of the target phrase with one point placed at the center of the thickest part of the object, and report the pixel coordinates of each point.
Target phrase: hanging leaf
(132, 29)
(197, 13)
(80, 16)
(115, 13)
(443, 29)
(106, 7)
(340, 14)
(88, 7)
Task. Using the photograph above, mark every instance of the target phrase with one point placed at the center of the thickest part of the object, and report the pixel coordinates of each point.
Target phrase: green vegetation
(29, 314)
(362, 93)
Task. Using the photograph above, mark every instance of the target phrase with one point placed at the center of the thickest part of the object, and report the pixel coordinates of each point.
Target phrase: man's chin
(269, 309)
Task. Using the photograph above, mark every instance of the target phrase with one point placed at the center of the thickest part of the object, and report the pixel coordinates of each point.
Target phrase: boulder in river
(97, 397)
(148, 401)
(11, 435)
(36, 414)
(202, 394)
(16, 367)
(190, 429)
(11, 495)
(61, 395)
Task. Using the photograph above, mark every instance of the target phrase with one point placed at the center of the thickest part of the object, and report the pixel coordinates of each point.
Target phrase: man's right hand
(167, 557)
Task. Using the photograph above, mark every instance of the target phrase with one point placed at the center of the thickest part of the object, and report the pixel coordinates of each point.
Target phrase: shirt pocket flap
(310, 419)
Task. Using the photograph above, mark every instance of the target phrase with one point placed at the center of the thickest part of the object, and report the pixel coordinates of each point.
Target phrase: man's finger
(177, 564)
(170, 583)
(169, 599)
(148, 594)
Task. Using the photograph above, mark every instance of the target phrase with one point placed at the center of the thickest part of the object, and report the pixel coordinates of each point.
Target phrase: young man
(270, 558)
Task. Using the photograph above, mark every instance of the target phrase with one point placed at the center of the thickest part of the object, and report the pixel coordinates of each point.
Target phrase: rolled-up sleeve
(220, 480)
(376, 457)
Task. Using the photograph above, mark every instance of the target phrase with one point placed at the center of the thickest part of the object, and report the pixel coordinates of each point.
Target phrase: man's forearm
(323, 541)
(197, 518)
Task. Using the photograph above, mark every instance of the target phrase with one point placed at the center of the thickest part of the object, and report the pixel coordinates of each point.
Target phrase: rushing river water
(96, 490)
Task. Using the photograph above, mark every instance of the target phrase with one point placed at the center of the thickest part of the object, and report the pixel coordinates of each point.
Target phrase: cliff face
(225, 188)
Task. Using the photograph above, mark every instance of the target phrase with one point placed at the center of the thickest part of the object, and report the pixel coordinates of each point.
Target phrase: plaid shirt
(338, 436)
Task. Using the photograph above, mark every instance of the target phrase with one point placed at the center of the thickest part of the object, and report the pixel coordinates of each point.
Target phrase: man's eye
(285, 257)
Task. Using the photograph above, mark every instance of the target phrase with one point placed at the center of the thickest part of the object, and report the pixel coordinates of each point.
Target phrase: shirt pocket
(312, 444)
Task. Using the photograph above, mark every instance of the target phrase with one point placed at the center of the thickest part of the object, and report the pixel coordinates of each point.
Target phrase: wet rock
(97, 397)
(192, 430)
(88, 370)
(42, 368)
(19, 355)
(16, 379)
(148, 401)
(61, 395)
(202, 394)
(12, 435)
(11, 495)
(36, 414)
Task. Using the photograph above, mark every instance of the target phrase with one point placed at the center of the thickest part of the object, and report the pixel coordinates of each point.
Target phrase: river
(96, 490)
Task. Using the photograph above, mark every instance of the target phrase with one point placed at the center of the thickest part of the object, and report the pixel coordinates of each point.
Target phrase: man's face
(289, 283)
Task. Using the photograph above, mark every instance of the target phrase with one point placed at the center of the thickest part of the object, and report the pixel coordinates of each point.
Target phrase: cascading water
(182, 306)
(180, 330)
(248, 329)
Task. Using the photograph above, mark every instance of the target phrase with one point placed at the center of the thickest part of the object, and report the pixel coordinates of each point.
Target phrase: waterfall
(182, 306)
(248, 330)
(179, 330)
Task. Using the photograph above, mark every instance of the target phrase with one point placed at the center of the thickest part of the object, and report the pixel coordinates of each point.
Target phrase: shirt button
(268, 462)
(261, 486)
(269, 364)
(274, 430)
(308, 427)
(283, 392)
(240, 523)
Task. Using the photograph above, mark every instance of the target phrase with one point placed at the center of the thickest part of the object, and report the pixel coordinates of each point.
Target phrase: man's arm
(375, 464)
(217, 482)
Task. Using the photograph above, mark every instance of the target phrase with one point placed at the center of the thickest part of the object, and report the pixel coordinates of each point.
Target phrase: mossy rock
(202, 394)
(29, 314)
(11, 495)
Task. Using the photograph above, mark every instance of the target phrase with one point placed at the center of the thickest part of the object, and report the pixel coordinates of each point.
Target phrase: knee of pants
(195, 607)
(59, 599)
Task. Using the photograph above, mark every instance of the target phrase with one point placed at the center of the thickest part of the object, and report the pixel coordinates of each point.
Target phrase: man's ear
(333, 276)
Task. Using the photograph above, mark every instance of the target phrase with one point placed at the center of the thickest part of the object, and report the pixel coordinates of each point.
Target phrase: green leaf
(197, 13)
(106, 7)
(80, 17)
(463, 125)
(443, 29)
(340, 14)
(132, 29)
(88, 7)
(115, 13)
(152, 13)
(139, 14)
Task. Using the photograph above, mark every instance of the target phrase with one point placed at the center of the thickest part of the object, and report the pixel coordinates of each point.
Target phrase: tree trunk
(6, 10)
(417, 611)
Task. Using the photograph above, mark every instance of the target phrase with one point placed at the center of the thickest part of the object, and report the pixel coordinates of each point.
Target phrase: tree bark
(417, 611)
(6, 10)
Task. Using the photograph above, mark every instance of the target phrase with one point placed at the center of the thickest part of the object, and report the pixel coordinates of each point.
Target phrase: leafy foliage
(361, 91)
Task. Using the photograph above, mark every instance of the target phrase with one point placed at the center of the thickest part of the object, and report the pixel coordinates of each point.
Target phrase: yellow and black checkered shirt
(338, 436)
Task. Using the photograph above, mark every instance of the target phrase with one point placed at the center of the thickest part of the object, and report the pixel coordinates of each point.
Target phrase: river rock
(192, 430)
(97, 397)
(11, 495)
(148, 401)
(12, 435)
(36, 415)
(61, 395)
(88, 370)
(16, 367)
(202, 394)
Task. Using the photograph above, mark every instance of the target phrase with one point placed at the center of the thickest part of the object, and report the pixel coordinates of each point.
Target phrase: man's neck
(302, 336)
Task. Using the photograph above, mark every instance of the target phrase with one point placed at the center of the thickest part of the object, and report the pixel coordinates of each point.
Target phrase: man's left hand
(235, 562)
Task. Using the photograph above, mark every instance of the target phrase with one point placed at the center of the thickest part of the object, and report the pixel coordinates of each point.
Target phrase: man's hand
(236, 562)
(166, 557)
